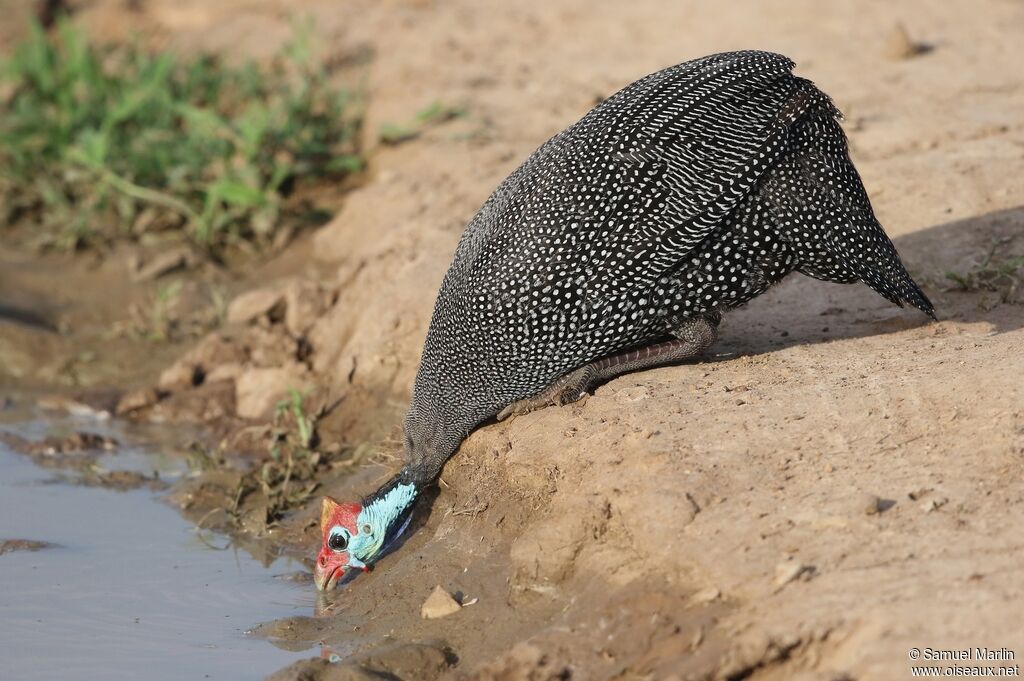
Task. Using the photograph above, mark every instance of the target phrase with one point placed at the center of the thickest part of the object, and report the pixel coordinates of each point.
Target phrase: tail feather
(866, 250)
(823, 208)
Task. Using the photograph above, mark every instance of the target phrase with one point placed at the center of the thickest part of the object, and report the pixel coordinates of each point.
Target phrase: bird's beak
(326, 578)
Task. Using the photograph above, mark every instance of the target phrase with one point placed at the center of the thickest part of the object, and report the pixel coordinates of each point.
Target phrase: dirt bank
(838, 482)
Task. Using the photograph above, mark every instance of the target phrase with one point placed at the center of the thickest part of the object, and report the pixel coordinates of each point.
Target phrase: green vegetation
(288, 478)
(433, 115)
(104, 143)
(277, 483)
(293, 406)
(161, 322)
(994, 273)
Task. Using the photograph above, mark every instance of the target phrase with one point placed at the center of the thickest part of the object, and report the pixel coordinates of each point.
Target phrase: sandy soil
(840, 481)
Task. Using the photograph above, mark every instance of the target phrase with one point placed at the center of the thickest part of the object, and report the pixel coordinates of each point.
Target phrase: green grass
(280, 482)
(1001, 274)
(161, 323)
(98, 144)
(433, 115)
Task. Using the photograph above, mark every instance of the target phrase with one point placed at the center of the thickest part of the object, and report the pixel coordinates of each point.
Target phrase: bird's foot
(569, 388)
(519, 408)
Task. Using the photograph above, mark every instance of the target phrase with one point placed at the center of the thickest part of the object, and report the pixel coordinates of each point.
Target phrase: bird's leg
(692, 337)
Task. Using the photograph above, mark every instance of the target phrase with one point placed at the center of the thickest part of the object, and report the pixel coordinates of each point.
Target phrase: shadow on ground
(27, 317)
(802, 311)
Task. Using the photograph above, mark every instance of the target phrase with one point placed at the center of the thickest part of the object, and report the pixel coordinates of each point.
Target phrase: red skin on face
(330, 565)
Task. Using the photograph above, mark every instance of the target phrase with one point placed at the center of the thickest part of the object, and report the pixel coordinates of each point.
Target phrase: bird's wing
(624, 194)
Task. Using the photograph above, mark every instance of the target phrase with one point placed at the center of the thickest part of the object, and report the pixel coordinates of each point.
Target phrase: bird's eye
(337, 540)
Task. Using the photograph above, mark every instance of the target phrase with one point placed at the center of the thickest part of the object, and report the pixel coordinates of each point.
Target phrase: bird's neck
(387, 512)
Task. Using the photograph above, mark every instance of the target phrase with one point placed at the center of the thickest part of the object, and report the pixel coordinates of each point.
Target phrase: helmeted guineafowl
(617, 246)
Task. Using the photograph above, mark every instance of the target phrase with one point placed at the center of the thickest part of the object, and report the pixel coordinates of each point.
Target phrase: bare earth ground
(840, 481)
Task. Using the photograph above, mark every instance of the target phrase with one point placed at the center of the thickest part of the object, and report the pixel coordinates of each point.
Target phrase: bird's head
(339, 523)
(356, 535)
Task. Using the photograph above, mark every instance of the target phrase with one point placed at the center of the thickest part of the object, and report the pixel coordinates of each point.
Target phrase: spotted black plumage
(686, 194)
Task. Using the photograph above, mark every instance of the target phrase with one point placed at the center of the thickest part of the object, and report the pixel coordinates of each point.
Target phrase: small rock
(225, 372)
(252, 305)
(165, 263)
(79, 442)
(915, 495)
(121, 480)
(191, 370)
(439, 604)
(257, 391)
(870, 504)
(182, 374)
(71, 406)
(207, 402)
(269, 347)
(787, 571)
(705, 596)
(137, 399)
(933, 504)
(53, 446)
(899, 45)
(9, 545)
(305, 303)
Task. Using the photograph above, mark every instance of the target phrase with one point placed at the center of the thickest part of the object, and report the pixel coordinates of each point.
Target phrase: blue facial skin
(372, 537)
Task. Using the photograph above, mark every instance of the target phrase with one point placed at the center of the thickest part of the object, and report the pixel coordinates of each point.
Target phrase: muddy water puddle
(127, 590)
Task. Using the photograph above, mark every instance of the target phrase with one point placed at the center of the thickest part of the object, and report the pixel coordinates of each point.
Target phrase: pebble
(79, 442)
(705, 596)
(252, 305)
(439, 604)
(933, 504)
(71, 406)
(305, 302)
(899, 45)
(165, 263)
(871, 504)
(790, 570)
(9, 545)
(180, 375)
(136, 399)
